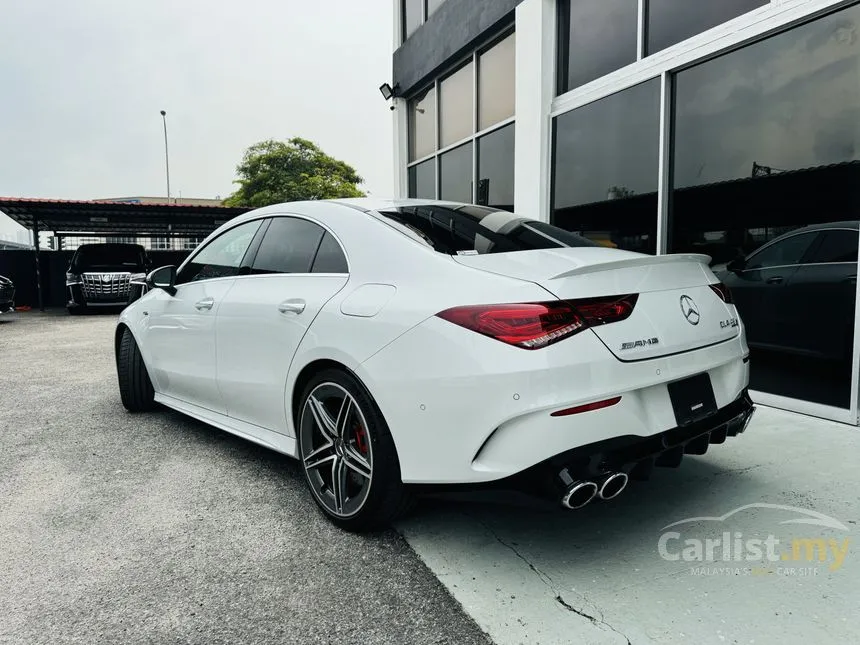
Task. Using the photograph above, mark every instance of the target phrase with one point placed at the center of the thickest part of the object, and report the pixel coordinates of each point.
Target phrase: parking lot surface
(119, 528)
(539, 575)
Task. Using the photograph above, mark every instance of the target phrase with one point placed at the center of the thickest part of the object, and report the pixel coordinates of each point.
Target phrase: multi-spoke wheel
(347, 453)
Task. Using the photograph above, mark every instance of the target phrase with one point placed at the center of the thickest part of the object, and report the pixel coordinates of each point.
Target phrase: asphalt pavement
(155, 528)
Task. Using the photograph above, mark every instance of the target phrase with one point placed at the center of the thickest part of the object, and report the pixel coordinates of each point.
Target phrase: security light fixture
(388, 92)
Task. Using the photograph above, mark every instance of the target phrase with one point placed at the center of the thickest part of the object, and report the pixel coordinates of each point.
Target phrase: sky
(83, 83)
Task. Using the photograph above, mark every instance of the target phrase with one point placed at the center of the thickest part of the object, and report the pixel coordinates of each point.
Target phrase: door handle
(205, 304)
(774, 280)
(851, 279)
(292, 306)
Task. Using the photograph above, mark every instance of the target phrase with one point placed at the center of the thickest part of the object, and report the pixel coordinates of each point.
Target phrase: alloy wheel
(336, 450)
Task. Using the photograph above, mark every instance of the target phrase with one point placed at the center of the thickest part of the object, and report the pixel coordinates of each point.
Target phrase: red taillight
(600, 311)
(588, 407)
(536, 325)
(530, 326)
(723, 292)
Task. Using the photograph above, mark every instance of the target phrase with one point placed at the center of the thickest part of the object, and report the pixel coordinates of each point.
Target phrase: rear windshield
(109, 255)
(475, 230)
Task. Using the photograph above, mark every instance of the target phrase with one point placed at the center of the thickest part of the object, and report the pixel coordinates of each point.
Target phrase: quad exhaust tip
(578, 494)
(612, 486)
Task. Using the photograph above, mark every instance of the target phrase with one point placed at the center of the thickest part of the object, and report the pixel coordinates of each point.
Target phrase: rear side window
(330, 257)
(838, 245)
(289, 246)
(470, 230)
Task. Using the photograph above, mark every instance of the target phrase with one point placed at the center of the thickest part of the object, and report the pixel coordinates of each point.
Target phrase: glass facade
(606, 169)
(457, 106)
(496, 83)
(422, 180)
(422, 125)
(671, 21)
(596, 37)
(455, 174)
(474, 154)
(496, 169)
(767, 167)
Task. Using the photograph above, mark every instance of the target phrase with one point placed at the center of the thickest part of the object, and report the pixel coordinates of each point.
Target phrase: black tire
(135, 388)
(387, 497)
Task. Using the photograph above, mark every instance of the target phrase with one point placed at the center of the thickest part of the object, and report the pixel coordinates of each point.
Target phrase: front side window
(222, 257)
(782, 253)
(289, 246)
(476, 230)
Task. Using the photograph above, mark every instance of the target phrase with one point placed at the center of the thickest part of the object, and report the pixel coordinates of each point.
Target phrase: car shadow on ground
(622, 525)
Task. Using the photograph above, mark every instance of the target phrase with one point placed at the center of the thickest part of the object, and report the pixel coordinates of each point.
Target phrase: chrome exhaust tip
(612, 486)
(578, 494)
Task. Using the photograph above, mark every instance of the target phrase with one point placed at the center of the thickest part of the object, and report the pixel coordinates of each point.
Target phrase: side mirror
(737, 265)
(163, 278)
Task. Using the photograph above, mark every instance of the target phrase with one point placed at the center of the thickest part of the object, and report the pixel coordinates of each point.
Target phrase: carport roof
(107, 218)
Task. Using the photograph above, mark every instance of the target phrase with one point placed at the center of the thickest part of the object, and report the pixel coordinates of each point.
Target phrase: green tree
(283, 171)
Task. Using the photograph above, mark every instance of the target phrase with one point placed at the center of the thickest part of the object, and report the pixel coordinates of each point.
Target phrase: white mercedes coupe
(392, 344)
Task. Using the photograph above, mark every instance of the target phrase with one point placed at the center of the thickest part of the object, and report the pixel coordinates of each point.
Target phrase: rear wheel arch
(305, 376)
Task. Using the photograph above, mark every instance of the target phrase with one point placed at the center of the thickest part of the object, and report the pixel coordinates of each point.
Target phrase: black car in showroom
(7, 295)
(101, 275)
(796, 294)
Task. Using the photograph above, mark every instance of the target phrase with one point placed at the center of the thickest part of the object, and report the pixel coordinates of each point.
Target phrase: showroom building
(729, 128)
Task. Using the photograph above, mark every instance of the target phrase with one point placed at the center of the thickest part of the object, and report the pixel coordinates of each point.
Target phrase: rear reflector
(536, 325)
(588, 407)
(723, 292)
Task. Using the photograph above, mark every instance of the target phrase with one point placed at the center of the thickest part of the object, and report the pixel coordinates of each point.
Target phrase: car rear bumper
(464, 408)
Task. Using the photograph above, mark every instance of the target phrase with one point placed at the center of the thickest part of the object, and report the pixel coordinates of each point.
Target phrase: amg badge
(633, 344)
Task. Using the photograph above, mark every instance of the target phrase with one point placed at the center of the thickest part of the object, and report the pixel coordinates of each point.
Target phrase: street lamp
(166, 156)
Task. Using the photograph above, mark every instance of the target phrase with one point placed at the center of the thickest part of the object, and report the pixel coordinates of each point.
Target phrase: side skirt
(261, 436)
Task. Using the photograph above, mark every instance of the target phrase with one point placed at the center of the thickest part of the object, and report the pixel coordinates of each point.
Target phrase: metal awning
(116, 218)
(106, 218)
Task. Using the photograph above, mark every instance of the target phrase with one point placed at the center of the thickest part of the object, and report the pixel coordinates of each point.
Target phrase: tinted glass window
(767, 141)
(496, 83)
(496, 169)
(330, 257)
(783, 253)
(222, 257)
(836, 246)
(422, 125)
(596, 37)
(671, 21)
(109, 255)
(457, 106)
(289, 246)
(474, 229)
(412, 17)
(455, 174)
(606, 169)
(422, 180)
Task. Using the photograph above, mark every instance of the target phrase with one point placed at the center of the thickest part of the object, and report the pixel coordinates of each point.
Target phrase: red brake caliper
(361, 439)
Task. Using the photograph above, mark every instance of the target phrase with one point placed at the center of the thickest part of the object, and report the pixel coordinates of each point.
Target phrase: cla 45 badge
(726, 324)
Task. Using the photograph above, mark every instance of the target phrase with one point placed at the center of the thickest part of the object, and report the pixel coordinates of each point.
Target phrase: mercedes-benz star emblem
(105, 278)
(690, 310)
